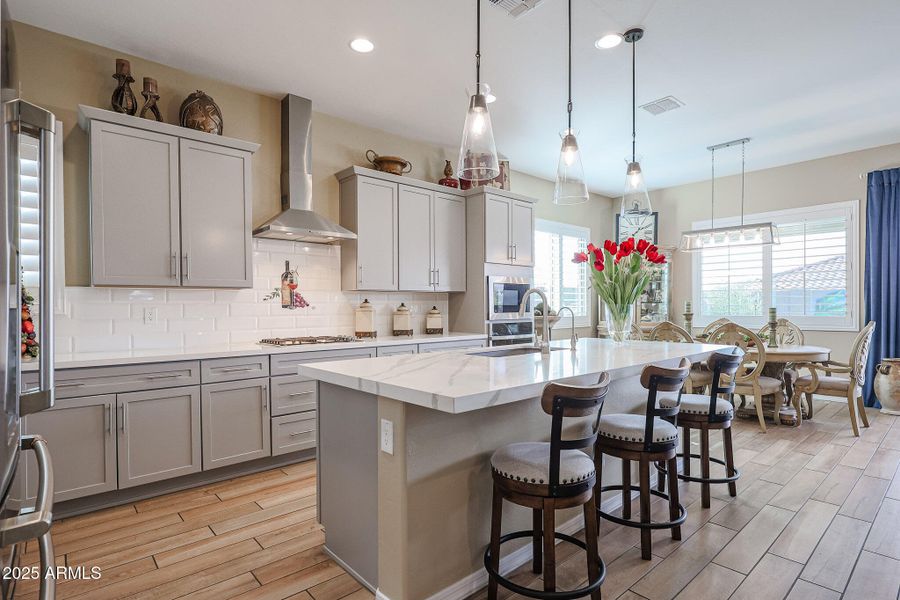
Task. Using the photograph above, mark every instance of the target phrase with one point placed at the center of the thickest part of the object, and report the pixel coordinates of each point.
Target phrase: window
(809, 276)
(564, 282)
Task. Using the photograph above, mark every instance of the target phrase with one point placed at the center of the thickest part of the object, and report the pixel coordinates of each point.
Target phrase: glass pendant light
(570, 186)
(755, 234)
(635, 199)
(477, 153)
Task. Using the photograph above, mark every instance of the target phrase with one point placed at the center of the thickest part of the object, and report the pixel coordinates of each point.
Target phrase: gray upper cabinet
(369, 208)
(81, 436)
(432, 241)
(449, 216)
(216, 216)
(135, 220)
(159, 435)
(236, 424)
(169, 206)
(508, 230)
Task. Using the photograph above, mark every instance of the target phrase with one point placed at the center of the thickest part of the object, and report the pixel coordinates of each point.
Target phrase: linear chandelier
(753, 234)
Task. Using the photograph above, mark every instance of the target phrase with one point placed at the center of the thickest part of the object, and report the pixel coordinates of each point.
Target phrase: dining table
(777, 361)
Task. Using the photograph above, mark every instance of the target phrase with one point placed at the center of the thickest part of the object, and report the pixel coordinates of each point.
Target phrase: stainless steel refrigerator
(26, 228)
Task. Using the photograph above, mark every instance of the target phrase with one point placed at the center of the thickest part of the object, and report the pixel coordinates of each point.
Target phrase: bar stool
(647, 439)
(547, 477)
(705, 413)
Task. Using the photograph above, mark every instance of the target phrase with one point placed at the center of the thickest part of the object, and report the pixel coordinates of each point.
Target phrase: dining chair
(849, 387)
(749, 379)
(667, 331)
(713, 326)
(636, 332)
(787, 333)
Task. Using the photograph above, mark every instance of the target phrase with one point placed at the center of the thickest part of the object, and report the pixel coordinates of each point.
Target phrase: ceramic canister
(434, 321)
(365, 320)
(403, 320)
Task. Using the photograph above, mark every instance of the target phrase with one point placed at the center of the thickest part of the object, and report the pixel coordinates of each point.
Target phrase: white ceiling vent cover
(658, 107)
(516, 8)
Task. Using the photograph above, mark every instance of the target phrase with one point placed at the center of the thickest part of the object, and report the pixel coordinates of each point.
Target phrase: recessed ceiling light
(608, 40)
(362, 45)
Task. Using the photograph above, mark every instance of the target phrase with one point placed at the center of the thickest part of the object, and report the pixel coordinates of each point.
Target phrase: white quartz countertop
(461, 381)
(131, 357)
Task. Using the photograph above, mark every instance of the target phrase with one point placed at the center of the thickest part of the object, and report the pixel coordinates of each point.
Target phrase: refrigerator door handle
(35, 523)
(24, 117)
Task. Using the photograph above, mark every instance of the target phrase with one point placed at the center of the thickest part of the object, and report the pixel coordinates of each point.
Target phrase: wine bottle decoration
(288, 285)
(123, 100)
(30, 347)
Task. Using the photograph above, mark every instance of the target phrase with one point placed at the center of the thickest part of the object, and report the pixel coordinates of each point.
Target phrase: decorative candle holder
(773, 329)
(689, 320)
(151, 95)
(123, 100)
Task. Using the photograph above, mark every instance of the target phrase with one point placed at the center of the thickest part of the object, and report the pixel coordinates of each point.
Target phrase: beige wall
(59, 73)
(811, 183)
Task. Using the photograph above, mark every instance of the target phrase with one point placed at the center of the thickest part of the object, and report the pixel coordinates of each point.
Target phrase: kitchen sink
(513, 351)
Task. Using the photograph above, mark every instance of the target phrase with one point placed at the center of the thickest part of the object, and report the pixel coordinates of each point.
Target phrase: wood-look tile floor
(250, 537)
(817, 516)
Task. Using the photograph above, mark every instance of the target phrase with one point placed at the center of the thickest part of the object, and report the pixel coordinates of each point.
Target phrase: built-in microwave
(505, 295)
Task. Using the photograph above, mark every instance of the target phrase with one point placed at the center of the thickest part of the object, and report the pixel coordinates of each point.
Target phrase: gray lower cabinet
(293, 393)
(235, 422)
(159, 435)
(395, 350)
(291, 433)
(80, 434)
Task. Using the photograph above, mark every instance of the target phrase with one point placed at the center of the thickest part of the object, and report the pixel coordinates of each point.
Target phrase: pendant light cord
(633, 99)
(743, 162)
(569, 105)
(477, 46)
(712, 187)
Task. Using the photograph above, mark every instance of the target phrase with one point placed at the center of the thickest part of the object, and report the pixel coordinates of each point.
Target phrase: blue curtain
(882, 278)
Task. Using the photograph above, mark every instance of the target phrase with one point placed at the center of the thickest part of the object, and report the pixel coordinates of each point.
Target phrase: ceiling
(803, 78)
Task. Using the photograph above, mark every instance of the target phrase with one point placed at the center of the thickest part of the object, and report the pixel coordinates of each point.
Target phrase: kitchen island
(405, 443)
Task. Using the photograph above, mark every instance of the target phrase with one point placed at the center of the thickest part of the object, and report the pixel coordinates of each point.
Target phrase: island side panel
(348, 478)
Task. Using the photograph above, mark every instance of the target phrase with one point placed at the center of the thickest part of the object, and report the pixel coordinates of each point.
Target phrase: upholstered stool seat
(696, 404)
(630, 428)
(529, 462)
(827, 383)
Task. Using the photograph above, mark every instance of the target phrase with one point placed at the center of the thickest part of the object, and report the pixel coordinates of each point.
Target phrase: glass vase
(618, 321)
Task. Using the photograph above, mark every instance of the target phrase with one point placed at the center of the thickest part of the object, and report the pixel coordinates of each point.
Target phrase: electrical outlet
(387, 436)
(151, 315)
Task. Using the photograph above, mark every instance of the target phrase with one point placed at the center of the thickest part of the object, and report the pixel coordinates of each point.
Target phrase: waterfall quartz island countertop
(405, 445)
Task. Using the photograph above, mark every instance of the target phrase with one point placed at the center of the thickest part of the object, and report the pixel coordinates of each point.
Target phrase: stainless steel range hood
(297, 221)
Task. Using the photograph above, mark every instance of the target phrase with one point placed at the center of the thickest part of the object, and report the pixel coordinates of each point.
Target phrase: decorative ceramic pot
(887, 385)
(389, 164)
(200, 111)
(449, 180)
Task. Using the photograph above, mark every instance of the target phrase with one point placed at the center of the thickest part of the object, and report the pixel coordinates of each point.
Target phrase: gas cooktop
(299, 341)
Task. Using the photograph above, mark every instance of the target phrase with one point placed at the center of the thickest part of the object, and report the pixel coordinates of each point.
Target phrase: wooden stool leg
(704, 465)
(626, 490)
(644, 476)
(591, 539)
(660, 478)
(536, 540)
(496, 516)
(686, 450)
(549, 546)
(729, 461)
(674, 509)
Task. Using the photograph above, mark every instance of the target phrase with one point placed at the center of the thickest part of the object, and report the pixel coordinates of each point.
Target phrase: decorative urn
(887, 385)
(434, 321)
(403, 320)
(365, 320)
(449, 180)
(199, 111)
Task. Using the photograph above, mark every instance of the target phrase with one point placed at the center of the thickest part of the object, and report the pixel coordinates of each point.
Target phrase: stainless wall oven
(505, 296)
(508, 332)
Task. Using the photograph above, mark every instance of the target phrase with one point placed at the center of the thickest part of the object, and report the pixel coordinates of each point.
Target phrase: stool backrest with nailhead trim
(722, 362)
(657, 379)
(562, 401)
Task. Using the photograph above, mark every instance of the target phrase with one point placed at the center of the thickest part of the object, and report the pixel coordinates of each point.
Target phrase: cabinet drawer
(293, 394)
(233, 369)
(286, 364)
(441, 346)
(128, 378)
(394, 350)
(293, 432)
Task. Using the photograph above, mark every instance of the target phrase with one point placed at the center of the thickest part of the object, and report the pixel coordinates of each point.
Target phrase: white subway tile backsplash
(113, 319)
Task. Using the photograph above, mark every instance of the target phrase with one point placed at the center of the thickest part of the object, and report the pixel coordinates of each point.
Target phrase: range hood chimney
(297, 221)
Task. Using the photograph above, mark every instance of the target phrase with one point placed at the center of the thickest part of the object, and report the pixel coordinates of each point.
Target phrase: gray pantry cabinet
(169, 206)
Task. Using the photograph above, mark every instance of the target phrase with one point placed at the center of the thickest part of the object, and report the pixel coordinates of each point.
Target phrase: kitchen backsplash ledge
(98, 319)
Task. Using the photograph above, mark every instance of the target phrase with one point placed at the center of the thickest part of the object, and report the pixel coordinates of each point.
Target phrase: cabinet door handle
(438, 281)
(237, 370)
(166, 376)
(306, 393)
(173, 266)
(515, 251)
(187, 267)
(108, 418)
(297, 433)
(121, 411)
(360, 274)
(265, 398)
(69, 385)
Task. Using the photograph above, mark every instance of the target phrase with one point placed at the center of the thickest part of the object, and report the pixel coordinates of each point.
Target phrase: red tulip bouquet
(620, 274)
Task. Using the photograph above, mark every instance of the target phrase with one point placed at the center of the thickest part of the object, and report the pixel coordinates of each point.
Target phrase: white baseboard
(473, 582)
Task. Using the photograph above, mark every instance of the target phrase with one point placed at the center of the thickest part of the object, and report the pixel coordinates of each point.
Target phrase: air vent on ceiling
(658, 107)
(516, 8)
